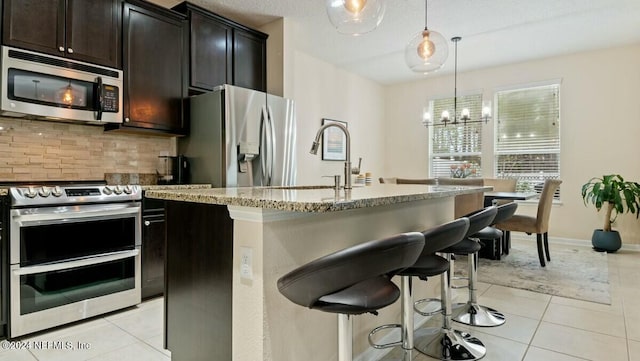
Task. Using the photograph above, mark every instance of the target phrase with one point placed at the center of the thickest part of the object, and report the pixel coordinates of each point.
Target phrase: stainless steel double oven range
(74, 253)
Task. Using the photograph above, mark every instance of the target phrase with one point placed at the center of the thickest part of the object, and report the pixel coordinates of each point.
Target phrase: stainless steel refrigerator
(241, 137)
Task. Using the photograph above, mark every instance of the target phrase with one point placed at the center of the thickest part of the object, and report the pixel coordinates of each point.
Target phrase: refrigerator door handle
(272, 146)
(265, 140)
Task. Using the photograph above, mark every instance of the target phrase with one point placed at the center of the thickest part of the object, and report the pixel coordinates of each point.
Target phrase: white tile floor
(539, 327)
(548, 328)
(132, 334)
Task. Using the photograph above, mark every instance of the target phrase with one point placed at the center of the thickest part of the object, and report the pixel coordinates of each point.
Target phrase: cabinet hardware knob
(126, 120)
(70, 51)
(147, 223)
(61, 48)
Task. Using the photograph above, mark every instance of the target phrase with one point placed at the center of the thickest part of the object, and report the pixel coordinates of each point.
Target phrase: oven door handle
(25, 220)
(108, 257)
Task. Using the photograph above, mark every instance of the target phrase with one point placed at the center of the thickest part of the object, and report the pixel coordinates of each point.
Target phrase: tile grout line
(536, 330)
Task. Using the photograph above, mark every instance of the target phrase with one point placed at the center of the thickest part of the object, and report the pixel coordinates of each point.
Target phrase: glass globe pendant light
(427, 51)
(355, 17)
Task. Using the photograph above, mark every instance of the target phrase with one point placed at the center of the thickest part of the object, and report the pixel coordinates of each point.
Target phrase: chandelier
(465, 117)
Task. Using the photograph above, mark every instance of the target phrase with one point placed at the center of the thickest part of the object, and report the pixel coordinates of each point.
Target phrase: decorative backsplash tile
(41, 150)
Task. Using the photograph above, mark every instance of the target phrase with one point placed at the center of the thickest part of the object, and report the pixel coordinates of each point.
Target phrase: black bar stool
(352, 281)
(444, 342)
(428, 265)
(472, 313)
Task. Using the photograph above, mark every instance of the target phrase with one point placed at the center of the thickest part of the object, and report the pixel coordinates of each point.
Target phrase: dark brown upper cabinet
(154, 58)
(222, 51)
(249, 59)
(88, 31)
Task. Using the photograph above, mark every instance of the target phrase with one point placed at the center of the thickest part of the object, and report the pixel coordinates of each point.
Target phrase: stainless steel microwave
(38, 86)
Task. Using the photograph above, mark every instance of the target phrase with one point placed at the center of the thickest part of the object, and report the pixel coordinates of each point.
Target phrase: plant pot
(606, 241)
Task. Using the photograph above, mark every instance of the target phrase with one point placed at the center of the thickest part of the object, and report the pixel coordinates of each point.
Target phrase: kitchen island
(226, 248)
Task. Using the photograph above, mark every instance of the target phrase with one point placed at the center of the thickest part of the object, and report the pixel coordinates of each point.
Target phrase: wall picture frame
(334, 141)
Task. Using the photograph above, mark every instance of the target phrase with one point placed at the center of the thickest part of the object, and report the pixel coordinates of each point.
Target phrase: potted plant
(617, 196)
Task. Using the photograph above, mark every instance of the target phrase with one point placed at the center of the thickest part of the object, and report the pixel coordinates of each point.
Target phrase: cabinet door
(249, 60)
(93, 31)
(154, 49)
(35, 25)
(153, 245)
(210, 58)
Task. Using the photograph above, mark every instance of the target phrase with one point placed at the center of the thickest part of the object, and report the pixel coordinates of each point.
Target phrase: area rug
(574, 271)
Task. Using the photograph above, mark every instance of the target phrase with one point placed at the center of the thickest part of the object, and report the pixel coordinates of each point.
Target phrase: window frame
(557, 151)
(472, 157)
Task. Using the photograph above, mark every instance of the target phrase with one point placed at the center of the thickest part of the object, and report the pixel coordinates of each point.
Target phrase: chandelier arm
(455, 81)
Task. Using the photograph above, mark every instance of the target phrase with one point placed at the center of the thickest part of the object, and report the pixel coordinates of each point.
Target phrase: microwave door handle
(100, 99)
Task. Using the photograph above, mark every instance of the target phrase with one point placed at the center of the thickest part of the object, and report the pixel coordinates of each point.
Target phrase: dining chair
(394, 180)
(501, 185)
(465, 203)
(385, 180)
(538, 224)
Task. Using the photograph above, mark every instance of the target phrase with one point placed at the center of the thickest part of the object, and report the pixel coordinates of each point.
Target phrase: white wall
(600, 127)
(322, 90)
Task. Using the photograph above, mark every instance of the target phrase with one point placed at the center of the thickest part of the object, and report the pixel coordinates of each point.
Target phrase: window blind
(527, 138)
(455, 145)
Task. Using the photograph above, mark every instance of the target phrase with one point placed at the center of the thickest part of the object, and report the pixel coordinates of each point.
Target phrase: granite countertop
(5, 191)
(313, 198)
(160, 187)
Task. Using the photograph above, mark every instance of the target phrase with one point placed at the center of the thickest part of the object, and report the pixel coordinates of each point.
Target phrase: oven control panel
(46, 195)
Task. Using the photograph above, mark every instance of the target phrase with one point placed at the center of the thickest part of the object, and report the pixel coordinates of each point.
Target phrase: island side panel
(291, 332)
(198, 282)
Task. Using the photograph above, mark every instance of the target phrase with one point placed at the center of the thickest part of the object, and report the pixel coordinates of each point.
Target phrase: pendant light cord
(426, 8)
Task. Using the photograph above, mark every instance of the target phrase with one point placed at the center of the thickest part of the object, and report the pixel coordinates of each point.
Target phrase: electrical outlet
(246, 263)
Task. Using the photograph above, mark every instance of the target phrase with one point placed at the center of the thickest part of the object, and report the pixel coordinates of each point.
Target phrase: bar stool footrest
(385, 345)
(427, 300)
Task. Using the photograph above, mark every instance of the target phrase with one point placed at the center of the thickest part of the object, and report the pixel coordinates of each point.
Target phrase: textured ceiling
(494, 32)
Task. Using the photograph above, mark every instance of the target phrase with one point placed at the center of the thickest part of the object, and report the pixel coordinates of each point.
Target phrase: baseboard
(571, 241)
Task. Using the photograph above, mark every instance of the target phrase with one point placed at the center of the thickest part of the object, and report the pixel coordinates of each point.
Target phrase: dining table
(490, 197)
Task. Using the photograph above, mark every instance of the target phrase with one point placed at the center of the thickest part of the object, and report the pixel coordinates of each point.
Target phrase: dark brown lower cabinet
(199, 266)
(4, 265)
(153, 234)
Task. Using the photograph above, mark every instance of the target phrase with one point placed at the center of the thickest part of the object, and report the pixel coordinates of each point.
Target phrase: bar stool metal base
(477, 315)
(448, 344)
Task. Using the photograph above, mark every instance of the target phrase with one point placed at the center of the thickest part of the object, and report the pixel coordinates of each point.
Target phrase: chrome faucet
(347, 164)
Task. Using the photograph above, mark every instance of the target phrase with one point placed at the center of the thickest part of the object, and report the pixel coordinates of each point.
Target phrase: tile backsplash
(42, 150)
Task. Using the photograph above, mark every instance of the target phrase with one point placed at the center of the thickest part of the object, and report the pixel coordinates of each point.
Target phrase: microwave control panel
(110, 98)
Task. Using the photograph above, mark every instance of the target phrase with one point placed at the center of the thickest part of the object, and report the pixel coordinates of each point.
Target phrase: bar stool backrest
(480, 219)
(339, 270)
(444, 236)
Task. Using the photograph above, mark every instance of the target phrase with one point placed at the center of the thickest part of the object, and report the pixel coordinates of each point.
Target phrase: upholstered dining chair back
(465, 203)
(544, 206)
(427, 181)
(501, 184)
(394, 180)
(385, 180)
